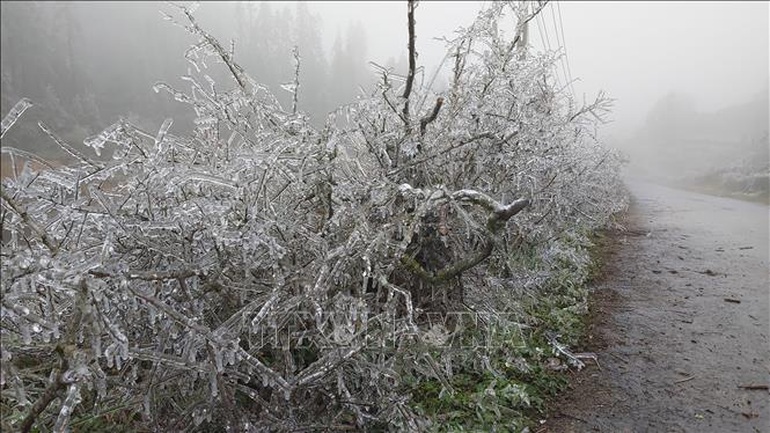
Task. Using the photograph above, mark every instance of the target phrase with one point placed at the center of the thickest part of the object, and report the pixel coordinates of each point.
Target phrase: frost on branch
(257, 271)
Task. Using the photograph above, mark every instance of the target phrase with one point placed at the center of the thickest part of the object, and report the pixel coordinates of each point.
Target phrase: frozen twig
(574, 358)
(686, 379)
(18, 109)
(432, 116)
(47, 240)
(754, 387)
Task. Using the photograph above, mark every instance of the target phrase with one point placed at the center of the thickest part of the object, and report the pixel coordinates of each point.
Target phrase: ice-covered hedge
(259, 274)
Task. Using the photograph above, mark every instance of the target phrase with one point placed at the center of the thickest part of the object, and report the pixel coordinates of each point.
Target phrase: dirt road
(680, 322)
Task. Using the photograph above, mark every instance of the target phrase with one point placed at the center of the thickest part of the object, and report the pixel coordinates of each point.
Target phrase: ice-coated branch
(64, 349)
(68, 406)
(447, 273)
(529, 17)
(47, 240)
(235, 69)
(27, 155)
(326, 364)
(443, 152)
(50, 393)
(151, 276)
(66, 147)
(14, 115)
(498, 215)
(598, 108)
(498, 211)
(295, 89)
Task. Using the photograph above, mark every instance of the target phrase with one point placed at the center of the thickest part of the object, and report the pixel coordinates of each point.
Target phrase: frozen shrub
(259, 274)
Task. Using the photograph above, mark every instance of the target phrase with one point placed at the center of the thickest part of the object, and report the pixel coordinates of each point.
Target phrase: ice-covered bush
(259, 274)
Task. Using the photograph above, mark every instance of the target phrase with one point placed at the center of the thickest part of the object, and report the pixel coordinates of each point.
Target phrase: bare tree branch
(498, 215)
(432, 116)
(295, 90)
(411, 5)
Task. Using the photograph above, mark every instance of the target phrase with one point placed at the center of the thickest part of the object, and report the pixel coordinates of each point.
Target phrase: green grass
(516, 396)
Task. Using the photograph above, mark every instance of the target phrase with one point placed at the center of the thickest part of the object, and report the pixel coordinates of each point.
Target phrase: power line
(543, 29)
(560, 42)
(564, 44)
(541, 23)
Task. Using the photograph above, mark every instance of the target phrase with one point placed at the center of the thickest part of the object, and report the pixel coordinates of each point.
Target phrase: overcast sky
(636, 51)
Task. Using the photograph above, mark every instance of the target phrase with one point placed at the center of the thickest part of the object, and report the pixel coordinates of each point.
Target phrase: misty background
(690, 80)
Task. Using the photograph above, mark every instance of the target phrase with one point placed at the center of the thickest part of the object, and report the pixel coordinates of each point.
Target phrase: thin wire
(566, 58)
(560, 42)
(540, 19)
(542, 28)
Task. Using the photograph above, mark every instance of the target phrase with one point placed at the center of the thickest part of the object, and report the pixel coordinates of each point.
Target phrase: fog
(636, 51)
(639, 52)
(248, 216)
(713, 55)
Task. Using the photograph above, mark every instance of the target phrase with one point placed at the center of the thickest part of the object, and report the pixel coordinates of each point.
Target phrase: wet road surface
(680, 322)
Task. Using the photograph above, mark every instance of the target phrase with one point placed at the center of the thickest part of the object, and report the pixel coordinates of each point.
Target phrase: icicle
(97, 141)
(218, 360)
(162, 131)
(108, 355)
(213, 384)
(198, 416)
(20, 390)
(72, 400)
(211, 83)
(107, 249)
(211, 179)
(206, 121)
(26, 337)
(289, 87)
(160, 225)
(147, 406)
(102, 199)
(179, 96)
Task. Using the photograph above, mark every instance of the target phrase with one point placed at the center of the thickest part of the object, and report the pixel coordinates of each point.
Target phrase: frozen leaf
(206, 121)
